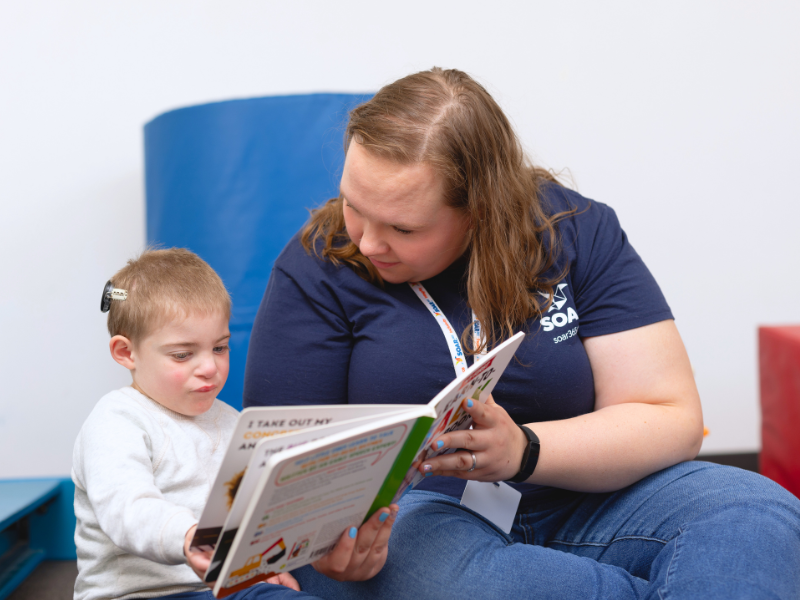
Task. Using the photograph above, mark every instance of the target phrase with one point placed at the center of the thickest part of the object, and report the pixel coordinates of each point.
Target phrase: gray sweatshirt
(142, 475)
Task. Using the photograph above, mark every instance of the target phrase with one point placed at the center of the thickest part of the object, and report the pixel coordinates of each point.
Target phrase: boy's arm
(113, 465)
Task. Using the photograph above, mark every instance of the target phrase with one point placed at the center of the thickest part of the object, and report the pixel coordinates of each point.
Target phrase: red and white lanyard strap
(453, 342)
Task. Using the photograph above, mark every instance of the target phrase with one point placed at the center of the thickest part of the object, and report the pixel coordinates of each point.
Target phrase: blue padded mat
(232, 181)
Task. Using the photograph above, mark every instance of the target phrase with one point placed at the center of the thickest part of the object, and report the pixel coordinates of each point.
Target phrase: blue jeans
(259, 591)
(695, 530)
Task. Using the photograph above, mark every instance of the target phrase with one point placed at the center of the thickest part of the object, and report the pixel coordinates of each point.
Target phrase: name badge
(497, 502)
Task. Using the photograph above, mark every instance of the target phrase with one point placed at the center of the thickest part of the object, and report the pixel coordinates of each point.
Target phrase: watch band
(529, 457)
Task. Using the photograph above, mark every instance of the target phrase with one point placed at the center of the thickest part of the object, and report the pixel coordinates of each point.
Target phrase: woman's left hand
(496, 442)
(360, 553)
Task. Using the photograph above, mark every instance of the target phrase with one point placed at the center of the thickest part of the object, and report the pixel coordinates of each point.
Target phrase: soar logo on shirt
(562, 317)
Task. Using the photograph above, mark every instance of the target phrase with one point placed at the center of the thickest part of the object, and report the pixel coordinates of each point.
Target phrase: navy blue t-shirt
(324, 335)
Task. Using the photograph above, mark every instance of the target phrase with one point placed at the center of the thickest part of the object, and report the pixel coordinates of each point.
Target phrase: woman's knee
(745, 488)
(706, 485)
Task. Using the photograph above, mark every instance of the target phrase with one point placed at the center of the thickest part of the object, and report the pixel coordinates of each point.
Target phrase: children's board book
(295, 477)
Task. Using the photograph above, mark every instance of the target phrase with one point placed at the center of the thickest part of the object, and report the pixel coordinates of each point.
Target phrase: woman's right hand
(360, 553)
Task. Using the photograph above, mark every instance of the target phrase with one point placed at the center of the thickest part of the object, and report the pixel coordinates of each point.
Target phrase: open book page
(311, 493)
(302, 489)
(476, 384)
(255, 424)
(249, 484)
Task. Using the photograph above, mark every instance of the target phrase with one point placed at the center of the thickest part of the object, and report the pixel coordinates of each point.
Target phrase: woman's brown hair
(446, 119)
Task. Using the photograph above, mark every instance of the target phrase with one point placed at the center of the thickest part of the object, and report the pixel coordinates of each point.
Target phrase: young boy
(146, 457)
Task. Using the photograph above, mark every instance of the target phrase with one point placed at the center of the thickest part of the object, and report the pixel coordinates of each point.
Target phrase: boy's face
(184, 364)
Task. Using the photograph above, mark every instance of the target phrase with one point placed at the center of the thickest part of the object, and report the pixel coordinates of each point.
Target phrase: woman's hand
(360, 553)
(496, 442)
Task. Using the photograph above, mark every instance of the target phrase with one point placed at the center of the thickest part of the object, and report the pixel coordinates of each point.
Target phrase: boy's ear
(122, 351)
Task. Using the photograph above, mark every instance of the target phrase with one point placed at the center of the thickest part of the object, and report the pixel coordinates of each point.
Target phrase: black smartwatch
(529, 458)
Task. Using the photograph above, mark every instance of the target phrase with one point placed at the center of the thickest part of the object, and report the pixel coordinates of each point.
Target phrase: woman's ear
(122, 351)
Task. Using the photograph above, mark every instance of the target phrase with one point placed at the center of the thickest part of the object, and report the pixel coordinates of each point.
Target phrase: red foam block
(779, 367)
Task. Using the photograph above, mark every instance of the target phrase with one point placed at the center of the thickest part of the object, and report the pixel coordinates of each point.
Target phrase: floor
(52, 580)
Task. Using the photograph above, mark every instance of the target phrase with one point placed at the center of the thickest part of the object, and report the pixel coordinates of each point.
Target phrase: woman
(435, 189)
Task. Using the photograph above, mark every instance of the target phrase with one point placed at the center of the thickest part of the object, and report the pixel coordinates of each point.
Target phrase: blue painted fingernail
(353, 532)
(428, 474)
(469, 403)
(439, 444)
(383, 517)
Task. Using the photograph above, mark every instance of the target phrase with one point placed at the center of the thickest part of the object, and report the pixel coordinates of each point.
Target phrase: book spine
(401, 465)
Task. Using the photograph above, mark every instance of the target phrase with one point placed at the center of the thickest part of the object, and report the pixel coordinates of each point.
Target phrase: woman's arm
(647, 414)
(300, 344)
(647, 417)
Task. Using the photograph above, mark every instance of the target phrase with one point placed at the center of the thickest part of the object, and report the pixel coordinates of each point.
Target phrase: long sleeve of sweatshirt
(142, 475)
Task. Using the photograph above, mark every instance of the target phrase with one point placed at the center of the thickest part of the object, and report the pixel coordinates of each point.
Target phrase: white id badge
(497, 502)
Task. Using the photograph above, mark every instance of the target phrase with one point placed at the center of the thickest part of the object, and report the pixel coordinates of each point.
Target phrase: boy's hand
(360, 553)
(198, 560)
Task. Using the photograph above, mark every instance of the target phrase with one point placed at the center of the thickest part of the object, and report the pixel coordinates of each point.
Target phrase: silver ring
(474, 463)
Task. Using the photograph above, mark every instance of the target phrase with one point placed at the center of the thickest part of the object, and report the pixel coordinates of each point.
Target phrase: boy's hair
(164, 285)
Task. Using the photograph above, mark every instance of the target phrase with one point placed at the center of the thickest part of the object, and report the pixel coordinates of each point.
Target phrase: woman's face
(397, 217)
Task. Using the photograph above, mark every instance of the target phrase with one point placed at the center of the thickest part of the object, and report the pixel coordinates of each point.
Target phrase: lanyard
(453, 342)
(497, 502)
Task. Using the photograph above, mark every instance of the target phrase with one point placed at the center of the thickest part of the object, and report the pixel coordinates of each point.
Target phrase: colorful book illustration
(257, 424)
(294, 478)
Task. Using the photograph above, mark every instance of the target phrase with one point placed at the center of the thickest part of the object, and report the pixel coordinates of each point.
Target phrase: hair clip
(111, 293)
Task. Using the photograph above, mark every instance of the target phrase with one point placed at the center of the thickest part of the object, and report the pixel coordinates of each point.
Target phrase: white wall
(683, 116)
